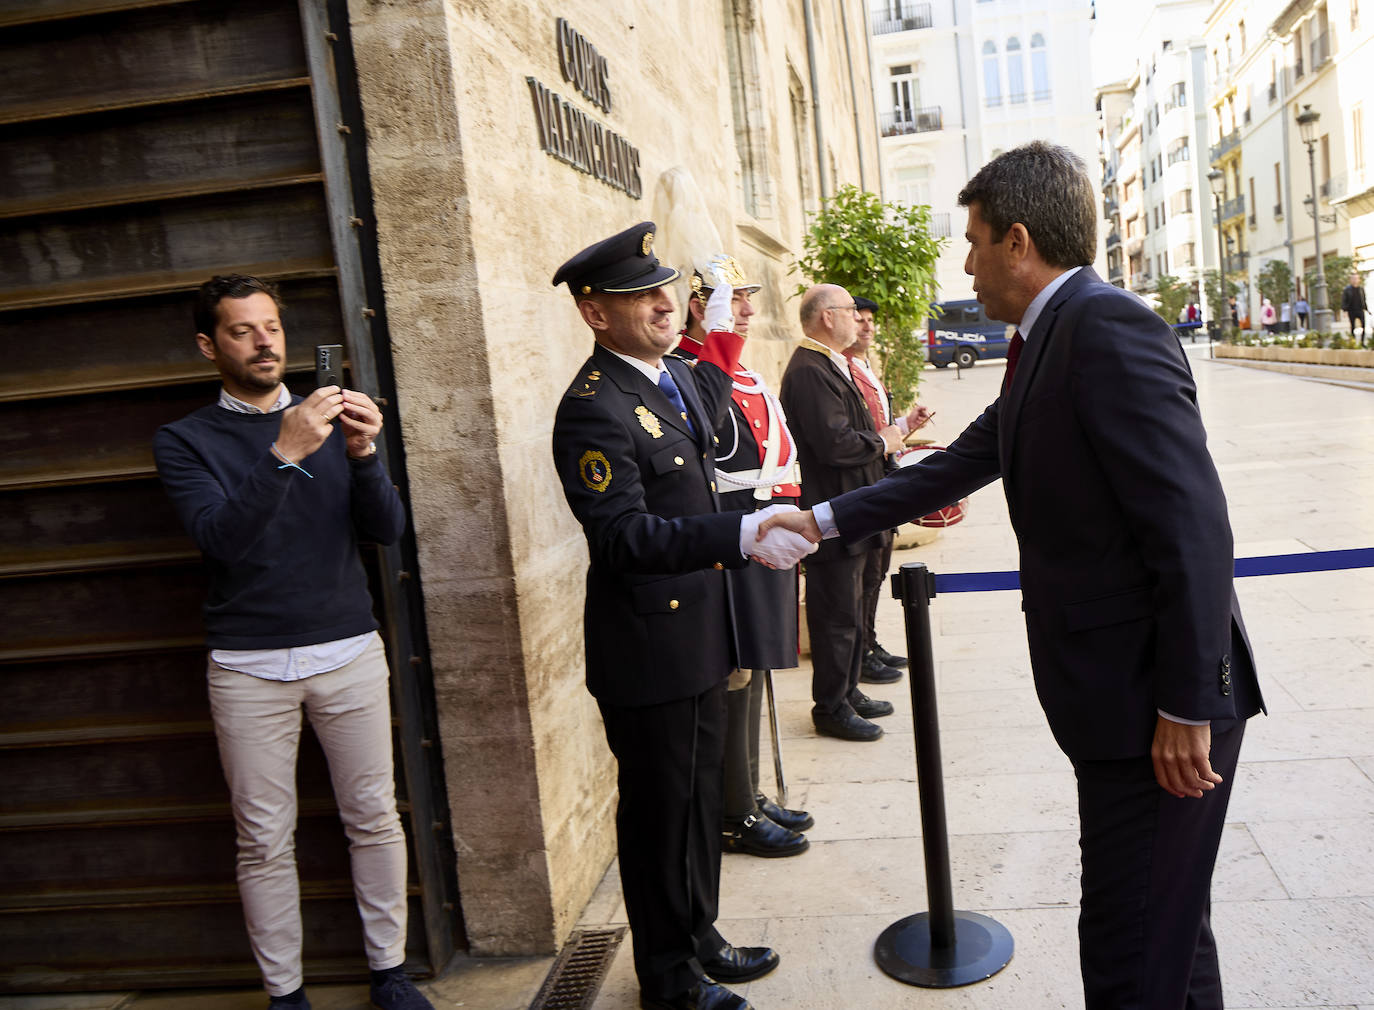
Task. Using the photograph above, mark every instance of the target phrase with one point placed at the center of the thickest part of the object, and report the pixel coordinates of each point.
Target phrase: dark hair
(221, 286)
(1046, 188)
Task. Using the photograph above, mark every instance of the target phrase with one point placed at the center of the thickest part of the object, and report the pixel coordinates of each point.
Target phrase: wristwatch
(371, 451)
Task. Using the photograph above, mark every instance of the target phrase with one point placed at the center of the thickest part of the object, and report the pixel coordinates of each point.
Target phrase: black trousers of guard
(670, 759)
(835, 623)
(1145, 932)
(876, 564)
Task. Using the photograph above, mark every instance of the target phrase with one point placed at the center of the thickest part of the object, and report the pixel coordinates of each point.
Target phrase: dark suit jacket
(657, 619)
(838, 447)
(1126, 549)
(1352, 300)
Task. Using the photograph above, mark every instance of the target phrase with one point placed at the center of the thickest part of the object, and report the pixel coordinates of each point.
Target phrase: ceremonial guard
(633, 448)
(756, 466)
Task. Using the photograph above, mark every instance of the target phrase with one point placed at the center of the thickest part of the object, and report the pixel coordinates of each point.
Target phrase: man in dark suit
(878, 666)
(1140, 658)
(840, 450)
(1353, 304)
(633, 448)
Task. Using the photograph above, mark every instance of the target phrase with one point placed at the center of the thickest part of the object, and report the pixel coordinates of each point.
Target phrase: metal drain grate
(576, 977)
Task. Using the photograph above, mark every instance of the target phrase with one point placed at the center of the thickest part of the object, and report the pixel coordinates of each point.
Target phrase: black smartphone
(329, 359)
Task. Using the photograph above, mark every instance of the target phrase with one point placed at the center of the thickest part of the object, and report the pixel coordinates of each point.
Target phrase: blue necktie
(670, 390)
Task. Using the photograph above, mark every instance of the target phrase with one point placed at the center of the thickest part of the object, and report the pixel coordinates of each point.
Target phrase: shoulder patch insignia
(591, 382)
(595, 469)
(648, 421)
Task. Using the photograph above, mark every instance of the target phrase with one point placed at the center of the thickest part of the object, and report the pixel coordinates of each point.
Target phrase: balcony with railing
(1273, 92)
(940, 225)
(1235, 263)
(1234, 207)
(900, 17)
(1227, 143)
(1113, 239)
(896, 124)
(1182, 154)
(1320, 49)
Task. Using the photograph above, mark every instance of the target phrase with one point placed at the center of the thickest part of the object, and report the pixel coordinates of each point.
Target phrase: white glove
(720, 314)
(779, 548)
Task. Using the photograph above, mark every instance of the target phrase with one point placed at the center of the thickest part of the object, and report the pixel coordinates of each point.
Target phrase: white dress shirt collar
(1042, 299)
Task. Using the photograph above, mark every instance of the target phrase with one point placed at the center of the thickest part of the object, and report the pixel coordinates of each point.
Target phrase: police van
(961, 332)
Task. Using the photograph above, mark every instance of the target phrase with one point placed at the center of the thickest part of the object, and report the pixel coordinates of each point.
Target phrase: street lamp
(1321, 311)
(1217, 180)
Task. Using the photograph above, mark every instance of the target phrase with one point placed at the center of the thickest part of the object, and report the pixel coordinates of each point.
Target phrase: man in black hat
(633, 447)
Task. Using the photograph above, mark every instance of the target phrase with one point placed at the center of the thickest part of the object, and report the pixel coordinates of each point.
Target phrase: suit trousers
(258, 727)
(1145, 934)
(876, 564)
(671, 769)
(835, 623)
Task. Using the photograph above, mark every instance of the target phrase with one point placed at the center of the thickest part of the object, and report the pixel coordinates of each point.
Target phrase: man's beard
(260, 382)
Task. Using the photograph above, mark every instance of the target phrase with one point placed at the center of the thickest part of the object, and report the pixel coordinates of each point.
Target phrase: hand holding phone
(329, 360)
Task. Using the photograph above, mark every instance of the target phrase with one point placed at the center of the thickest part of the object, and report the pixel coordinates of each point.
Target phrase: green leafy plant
(1219, 299)
(884, 252)
(1173, 295)
(1337, 270)
(1275, 281)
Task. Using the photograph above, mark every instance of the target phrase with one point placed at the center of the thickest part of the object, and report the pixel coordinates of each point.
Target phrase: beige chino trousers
(258, 725)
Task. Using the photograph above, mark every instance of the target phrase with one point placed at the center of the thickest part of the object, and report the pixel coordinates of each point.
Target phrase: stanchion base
(982, 948)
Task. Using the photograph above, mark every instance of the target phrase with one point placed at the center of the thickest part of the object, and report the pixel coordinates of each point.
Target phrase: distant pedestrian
(1268, 317)
(1353, 304)
(1285, 317)
(1302, 309)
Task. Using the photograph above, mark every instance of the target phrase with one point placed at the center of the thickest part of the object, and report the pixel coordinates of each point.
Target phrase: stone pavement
(1294, 889)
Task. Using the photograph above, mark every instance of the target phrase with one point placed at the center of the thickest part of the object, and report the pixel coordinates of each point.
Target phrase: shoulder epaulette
(586, 385)
(689, 362)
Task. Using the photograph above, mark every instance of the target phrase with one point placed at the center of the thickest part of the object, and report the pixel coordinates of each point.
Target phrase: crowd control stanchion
(941, 948)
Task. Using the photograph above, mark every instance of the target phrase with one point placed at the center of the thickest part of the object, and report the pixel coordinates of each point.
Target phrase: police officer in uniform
(632, 444)
(756, 465)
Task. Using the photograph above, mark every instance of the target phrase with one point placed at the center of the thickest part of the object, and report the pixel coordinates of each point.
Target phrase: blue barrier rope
(1274, 564)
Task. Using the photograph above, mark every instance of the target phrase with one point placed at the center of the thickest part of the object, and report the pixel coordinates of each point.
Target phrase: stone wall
(474, 218)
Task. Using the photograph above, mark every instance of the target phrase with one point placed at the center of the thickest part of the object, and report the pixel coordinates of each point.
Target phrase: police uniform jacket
(658, 625)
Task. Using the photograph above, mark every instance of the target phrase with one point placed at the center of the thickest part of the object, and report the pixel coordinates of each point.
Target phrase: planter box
(1302, 355)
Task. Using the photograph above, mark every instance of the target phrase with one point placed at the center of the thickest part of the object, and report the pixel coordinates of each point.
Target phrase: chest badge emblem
(648, 421)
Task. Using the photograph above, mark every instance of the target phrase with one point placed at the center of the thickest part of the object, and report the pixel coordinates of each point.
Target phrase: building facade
(1268, 63)
(412, 173)
(956, 82)
(1152, 132)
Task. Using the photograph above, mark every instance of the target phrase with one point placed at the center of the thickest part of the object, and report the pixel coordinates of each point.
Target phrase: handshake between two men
(778, 536)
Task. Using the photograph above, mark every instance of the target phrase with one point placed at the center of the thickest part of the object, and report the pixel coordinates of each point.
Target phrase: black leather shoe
(757, 835)
(896, 662)
(875, 671)
(293, 1001)
(845, 724)
(793, 820)
(702, 996)
(740, 964)
(868, 708)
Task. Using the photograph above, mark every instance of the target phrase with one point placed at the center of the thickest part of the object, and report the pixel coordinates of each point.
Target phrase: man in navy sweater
(277, 501)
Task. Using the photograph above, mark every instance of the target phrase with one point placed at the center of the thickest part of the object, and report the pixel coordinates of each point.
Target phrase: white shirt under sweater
(303, 661)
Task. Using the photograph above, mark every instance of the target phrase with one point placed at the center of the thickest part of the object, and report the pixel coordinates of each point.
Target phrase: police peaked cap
(620, 264)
